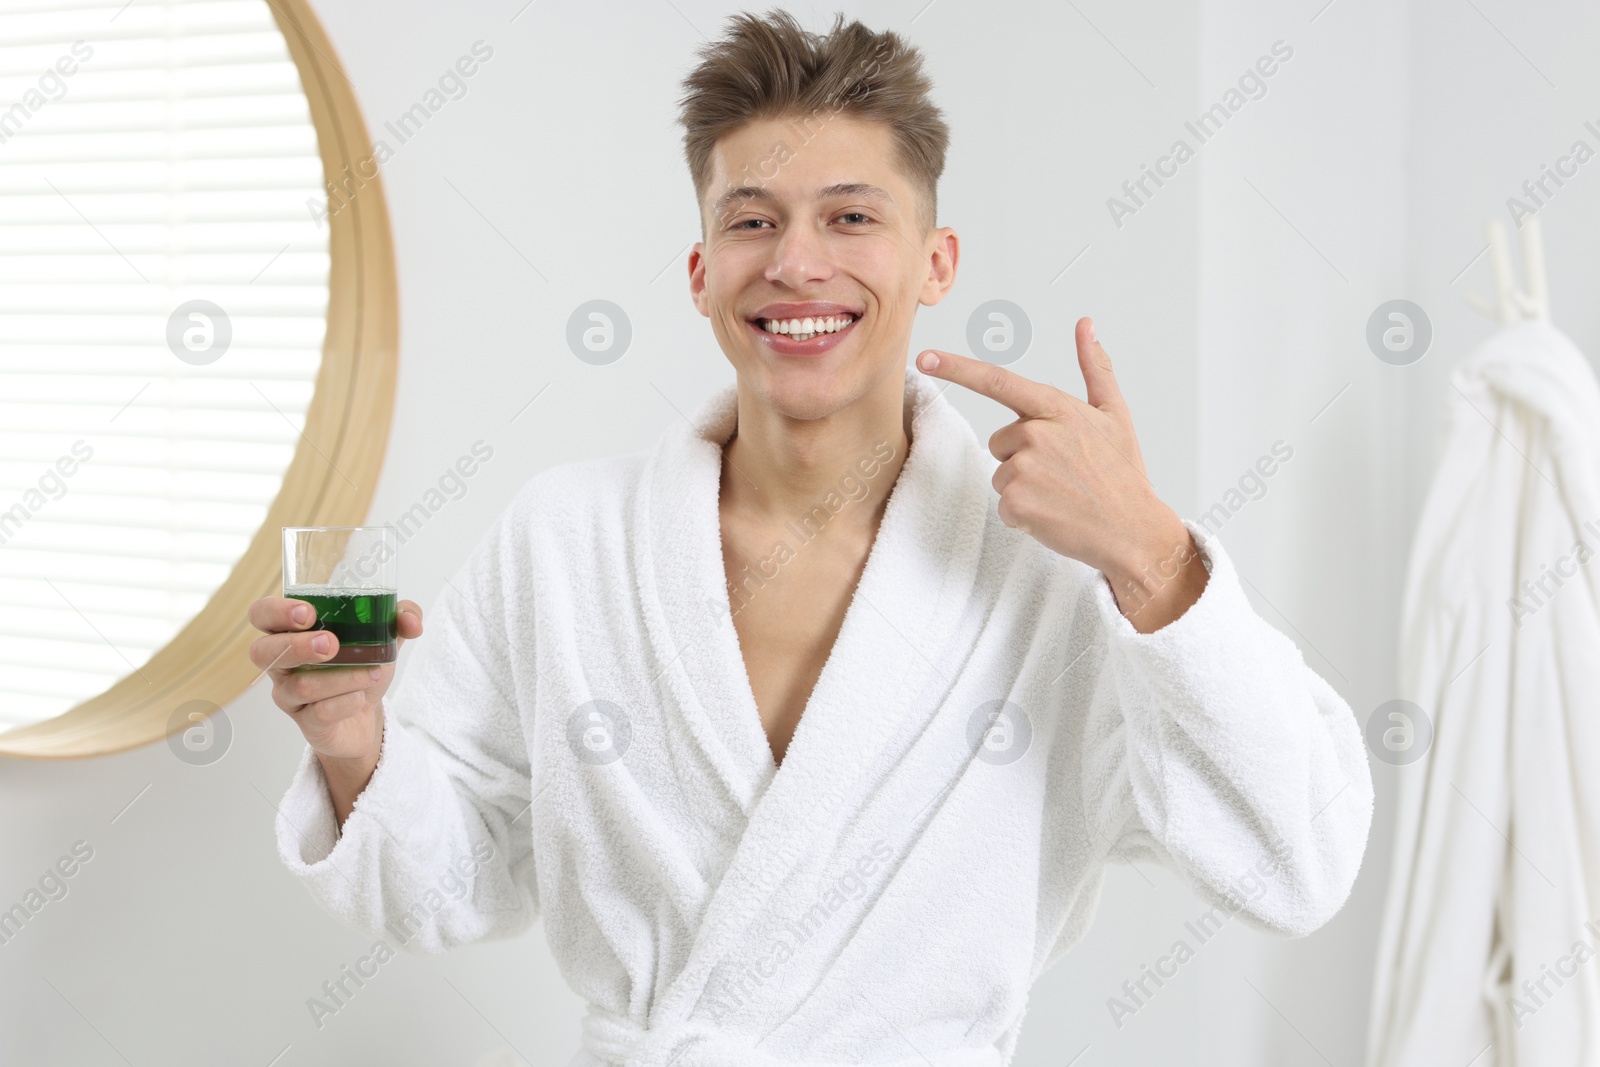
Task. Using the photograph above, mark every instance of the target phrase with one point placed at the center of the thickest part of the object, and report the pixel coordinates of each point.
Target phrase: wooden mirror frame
(330, 480)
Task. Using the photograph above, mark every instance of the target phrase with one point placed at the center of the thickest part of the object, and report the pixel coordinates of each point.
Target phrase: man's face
(802, 248)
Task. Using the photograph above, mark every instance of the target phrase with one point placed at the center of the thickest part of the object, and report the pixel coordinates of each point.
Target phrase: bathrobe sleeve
(1212, 748)
(437, 850)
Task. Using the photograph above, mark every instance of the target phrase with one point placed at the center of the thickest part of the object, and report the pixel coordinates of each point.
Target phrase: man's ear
(697, 279)
(944, 252)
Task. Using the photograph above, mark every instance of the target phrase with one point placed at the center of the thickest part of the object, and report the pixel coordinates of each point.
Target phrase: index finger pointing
(1026, 397)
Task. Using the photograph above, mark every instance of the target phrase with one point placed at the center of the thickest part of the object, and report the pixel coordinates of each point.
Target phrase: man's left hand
(1072, 478)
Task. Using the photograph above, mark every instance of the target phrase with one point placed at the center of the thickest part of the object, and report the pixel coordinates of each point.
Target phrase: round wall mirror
(197, 347)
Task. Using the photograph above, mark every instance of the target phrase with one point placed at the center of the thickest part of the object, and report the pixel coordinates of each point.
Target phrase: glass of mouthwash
(349, 576)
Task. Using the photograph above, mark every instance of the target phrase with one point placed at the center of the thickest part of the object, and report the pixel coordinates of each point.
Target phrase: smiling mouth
(806, 328)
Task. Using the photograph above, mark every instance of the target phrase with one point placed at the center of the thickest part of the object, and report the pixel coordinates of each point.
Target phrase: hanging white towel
(890, 893)
(1487, 953)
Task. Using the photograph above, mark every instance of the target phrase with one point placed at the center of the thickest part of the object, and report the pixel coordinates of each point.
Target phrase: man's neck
(776, 468)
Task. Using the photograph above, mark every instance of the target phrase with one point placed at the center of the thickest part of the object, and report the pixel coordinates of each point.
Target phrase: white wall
(1304, 233)
(1387, 138)
(1495, 103)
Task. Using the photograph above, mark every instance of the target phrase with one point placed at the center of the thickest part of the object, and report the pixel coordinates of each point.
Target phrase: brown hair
(770, 68)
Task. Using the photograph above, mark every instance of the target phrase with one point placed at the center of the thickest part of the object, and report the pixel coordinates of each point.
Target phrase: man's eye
(743, 222)
(857, 215)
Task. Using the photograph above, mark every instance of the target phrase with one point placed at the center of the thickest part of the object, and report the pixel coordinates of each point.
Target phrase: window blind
(151, 155)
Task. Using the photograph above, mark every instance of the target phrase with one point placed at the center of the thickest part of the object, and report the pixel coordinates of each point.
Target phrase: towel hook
(1512, 304)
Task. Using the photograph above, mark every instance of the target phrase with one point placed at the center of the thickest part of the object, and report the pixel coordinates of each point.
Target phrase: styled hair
(770, 68)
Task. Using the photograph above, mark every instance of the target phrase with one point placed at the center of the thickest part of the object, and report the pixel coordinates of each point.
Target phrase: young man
(857, 823)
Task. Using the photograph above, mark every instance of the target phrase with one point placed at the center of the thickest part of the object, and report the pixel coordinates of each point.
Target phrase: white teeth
(801, 329)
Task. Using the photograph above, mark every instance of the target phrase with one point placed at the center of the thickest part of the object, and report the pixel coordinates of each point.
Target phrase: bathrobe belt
(619, 1040)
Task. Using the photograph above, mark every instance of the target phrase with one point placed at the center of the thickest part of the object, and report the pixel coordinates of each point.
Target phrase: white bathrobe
(1496, 878)
(576, 733)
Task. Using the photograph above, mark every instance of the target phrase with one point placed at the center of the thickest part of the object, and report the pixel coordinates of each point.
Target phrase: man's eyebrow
(861, 190)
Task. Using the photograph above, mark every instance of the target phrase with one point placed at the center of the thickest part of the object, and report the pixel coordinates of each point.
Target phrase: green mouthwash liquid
(364, 621)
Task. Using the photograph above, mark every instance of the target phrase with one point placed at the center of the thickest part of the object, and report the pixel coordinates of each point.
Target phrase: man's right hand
(338, 709)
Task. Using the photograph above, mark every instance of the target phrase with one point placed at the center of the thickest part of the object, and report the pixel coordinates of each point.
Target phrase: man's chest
(788, 607)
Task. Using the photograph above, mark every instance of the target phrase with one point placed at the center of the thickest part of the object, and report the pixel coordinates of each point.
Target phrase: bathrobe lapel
(905, 609)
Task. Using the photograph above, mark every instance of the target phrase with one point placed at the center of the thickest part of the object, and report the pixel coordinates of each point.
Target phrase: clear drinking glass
(349, 574)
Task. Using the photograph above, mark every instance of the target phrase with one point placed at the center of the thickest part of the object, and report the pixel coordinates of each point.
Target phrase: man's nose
(799, 255)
